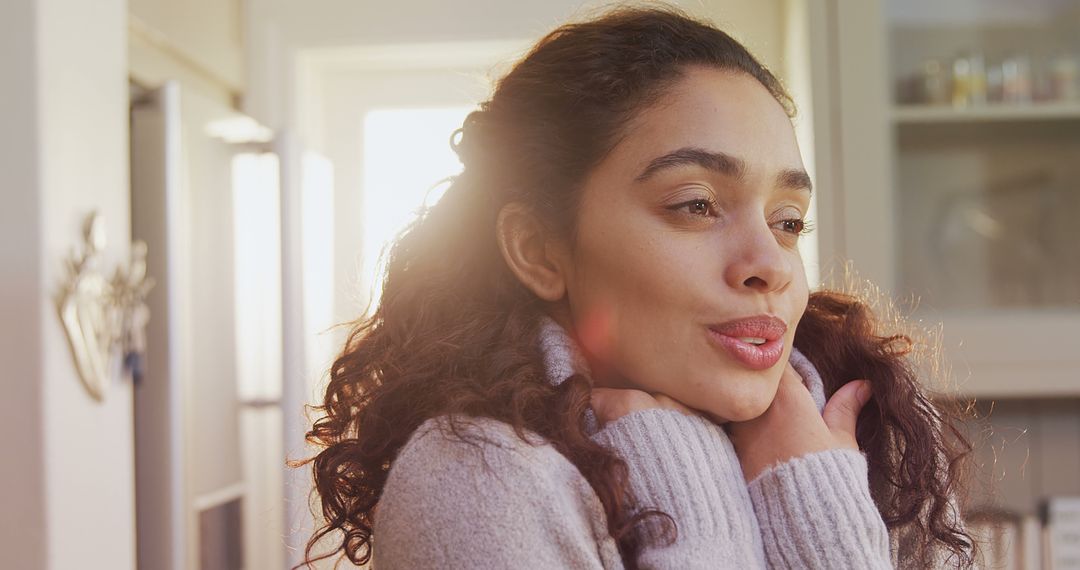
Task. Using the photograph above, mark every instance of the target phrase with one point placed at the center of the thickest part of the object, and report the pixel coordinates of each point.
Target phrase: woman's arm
(815, 511)
(685, 466)
(809, 481)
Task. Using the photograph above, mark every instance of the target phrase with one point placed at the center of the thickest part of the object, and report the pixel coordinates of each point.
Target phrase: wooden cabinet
(965, 206)
(968, 212)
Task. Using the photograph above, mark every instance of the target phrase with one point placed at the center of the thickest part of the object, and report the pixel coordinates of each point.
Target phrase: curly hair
(455, 332)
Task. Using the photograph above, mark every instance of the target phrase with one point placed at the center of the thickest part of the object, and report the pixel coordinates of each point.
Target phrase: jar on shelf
(995, 88)
(968, 80)
(934, 83)
(1017, 83)
(1064, 73)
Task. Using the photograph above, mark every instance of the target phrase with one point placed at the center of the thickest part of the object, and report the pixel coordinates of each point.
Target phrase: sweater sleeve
(487, 500)
(686, 467)
(815, 511)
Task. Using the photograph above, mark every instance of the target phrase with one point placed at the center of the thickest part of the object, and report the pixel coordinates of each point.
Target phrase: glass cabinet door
(955, 133)
(986, 166)
(951, 149)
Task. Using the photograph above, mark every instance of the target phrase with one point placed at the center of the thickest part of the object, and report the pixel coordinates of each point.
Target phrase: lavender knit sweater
(488, 499)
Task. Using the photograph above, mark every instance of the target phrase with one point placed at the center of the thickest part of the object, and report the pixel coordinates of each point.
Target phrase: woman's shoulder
(458, 427)
(458, 482)
(481, 448)
(469, 463)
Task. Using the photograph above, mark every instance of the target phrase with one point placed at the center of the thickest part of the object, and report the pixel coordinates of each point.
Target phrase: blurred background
(266, 150)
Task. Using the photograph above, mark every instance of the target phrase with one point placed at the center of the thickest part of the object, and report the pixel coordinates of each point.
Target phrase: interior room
(199, 198)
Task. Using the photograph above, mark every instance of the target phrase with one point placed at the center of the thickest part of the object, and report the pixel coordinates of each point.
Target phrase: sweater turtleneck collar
(563, 358)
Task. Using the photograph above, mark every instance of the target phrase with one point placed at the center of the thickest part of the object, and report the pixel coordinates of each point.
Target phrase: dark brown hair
(456, 332)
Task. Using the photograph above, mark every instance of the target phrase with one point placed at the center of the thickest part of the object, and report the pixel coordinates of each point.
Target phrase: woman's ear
(530, 251)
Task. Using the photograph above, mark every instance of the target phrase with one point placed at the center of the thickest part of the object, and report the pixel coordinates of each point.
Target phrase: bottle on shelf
(968, 80)
(1016, 80)
(1064, 71)
(934, 84)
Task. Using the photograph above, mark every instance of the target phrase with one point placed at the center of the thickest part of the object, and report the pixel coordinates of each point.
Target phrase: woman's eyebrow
(794, 179)
(732, 166)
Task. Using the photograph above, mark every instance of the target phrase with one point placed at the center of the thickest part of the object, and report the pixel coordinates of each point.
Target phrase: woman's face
(686, 256)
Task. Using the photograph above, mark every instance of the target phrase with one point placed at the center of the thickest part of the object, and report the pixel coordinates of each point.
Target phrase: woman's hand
(792, 426)
(610, 404)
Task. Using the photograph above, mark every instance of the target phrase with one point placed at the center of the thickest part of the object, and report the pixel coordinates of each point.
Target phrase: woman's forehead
(717, 113)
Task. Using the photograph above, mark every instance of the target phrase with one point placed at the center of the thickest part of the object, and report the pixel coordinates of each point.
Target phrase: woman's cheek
(596, 328)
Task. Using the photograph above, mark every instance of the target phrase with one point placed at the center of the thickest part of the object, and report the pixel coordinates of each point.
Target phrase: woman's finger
(609, 404)
(668, 402)
(842, 411)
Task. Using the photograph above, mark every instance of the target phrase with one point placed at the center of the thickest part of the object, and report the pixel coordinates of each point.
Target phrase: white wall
(206, 32)
(67, 476)
(276, 30)
(22, 488)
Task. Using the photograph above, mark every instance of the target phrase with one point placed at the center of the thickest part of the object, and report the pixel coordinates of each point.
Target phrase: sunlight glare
(406, 152)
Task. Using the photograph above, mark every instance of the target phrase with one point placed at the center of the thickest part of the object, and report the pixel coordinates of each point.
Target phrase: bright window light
(257, 277)
(406, 152)
(317, 209)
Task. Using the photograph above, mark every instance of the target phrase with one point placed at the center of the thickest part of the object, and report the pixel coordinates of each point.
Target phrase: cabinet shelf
(1012, 354)
(933, 114)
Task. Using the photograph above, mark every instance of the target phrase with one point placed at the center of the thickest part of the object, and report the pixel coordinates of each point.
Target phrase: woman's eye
(699, 207)
(797, 226)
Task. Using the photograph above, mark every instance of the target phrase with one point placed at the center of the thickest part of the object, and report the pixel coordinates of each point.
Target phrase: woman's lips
(733, 336)
(755, 357)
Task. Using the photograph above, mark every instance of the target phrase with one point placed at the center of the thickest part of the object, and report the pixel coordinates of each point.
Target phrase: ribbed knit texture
(815, 511)
(686, 467)
(491, 500)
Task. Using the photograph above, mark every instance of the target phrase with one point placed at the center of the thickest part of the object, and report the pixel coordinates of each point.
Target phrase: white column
(67, 477)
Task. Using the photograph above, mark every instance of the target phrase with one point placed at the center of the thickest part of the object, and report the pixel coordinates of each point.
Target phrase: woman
(599, 350)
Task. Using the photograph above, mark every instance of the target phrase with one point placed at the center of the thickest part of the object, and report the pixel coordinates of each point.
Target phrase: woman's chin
(741, 407)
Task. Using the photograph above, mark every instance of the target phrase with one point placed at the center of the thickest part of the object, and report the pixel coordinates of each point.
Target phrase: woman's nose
(758, 261)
